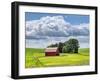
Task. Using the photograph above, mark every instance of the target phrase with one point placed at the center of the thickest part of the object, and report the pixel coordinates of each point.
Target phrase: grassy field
(36, 58)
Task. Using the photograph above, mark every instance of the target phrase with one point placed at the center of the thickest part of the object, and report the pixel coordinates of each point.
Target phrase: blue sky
(43, 29)
(73, 19)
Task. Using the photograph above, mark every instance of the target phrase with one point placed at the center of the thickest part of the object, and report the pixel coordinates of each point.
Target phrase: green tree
(60, 46)
(53, 45)
(71, 46)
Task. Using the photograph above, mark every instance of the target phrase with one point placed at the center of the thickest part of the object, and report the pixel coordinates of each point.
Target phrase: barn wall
(51, 54)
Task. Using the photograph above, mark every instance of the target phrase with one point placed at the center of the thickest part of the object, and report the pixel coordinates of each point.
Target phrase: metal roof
(51, 49)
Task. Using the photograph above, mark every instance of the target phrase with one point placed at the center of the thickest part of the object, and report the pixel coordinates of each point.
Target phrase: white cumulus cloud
(54, 26)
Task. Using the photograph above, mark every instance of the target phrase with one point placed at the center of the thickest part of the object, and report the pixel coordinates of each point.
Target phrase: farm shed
(51, 52)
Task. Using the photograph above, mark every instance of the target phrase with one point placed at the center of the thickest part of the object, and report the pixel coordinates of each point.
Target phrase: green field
(36, 58)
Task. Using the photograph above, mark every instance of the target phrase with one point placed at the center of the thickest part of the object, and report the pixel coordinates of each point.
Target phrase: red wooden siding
(51, 52)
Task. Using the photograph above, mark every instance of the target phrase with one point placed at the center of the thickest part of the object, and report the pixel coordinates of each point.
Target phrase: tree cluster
(70, 46)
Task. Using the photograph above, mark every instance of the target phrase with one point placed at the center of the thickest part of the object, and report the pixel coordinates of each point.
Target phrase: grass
(37, 58)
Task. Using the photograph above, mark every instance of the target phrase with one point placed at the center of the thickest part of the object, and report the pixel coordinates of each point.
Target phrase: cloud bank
(54, 26)
(53, 29)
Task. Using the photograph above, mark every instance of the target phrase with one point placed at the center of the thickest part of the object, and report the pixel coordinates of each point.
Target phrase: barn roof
(51, 49)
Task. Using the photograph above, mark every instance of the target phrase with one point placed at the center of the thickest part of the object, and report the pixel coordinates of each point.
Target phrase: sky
(43, 29)
(73, 19)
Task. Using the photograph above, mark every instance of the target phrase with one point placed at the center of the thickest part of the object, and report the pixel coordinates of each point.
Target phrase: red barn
(51, 52)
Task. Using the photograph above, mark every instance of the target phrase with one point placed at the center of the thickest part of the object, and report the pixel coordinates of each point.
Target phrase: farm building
(51, 52)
